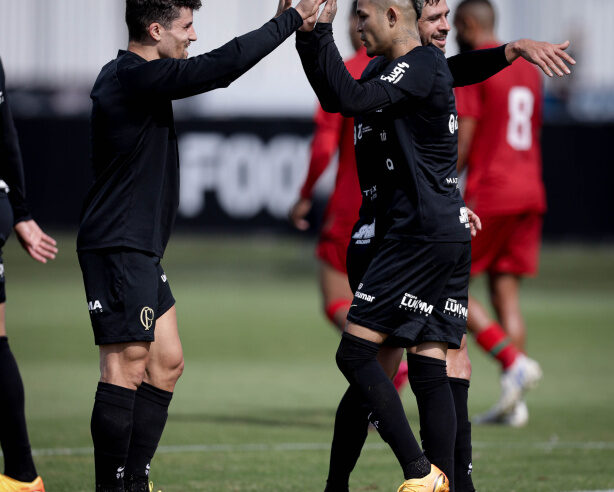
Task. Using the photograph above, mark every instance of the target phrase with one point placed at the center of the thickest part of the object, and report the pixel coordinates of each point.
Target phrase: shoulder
(373, 67)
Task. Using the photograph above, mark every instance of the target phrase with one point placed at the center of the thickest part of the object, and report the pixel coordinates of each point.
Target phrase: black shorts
(414, 292)
(6, 226)
(126, 291)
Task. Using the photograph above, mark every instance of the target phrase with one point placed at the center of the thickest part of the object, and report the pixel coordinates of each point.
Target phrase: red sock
(335, 306)
(494, 340)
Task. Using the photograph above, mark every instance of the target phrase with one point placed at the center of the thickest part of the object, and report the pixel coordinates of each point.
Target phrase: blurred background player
(19, 471)
(499, 130)
(335, 133)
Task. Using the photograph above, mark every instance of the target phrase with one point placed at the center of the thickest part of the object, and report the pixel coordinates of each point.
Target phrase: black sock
(351, 429)
(150, 414)
(18, 462)
(111, 428)
(429, 382)
(462, 451)
(357, 361)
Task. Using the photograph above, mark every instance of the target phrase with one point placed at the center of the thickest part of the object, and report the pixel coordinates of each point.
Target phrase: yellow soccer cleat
(436, 481)
(8, 484)
(151, 488)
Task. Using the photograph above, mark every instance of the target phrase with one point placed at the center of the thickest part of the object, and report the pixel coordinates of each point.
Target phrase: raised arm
(177, 78)
(476, 66)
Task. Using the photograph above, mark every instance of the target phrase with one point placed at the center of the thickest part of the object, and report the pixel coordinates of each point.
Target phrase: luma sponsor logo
(455, 308)
(411, 303)
(94, 306)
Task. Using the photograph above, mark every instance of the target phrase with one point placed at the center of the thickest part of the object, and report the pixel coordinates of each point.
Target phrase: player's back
(504, 160)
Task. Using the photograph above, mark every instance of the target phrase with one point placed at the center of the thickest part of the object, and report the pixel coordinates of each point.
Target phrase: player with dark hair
(129, 213)
(19, 471)
(411, 289)
(335, 133)
(499, 131)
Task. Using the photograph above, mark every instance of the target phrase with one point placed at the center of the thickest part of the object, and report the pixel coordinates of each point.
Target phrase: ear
(392, 16)
(155, 31)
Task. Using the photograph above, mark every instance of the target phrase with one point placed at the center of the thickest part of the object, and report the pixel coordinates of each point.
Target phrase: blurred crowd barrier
(241, 175)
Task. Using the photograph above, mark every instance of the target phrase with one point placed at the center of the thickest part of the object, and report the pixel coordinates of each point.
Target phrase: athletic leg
(504, 294)
(357, 360)
(122, 368)
(351, 426)
(18, 463)
(336, 294)
(429, 382)
(459, 375)
(164, 367)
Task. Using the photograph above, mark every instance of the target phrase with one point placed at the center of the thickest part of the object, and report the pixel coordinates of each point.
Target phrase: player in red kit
(499, 130)
(335, 133)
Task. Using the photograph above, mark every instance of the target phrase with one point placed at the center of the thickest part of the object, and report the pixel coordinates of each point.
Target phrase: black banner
(243, 174)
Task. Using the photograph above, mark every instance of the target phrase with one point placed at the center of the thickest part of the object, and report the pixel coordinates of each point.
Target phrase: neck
(145, 51)
(403, 43)
(485, 38)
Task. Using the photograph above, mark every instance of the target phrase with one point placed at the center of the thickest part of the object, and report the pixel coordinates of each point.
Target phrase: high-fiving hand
(308, 8)
(549, 57)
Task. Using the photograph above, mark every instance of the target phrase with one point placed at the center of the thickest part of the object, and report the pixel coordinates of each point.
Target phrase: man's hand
(298, 213)
(475, 223)
(328, 12)
(309, 24)
(283, 6)
(39, 245)
(308, 8)
(549, 57)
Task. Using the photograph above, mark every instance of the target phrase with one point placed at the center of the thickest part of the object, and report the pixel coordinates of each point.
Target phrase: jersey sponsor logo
(360, 130)
(120, 472)
(411, 303)
(464, 217)
(1, 97)
(94, 306)
(383, 136)
(1, 271)
(163, 277)
(147, 317)
(371, 193)
(453, 182)
(390, 164)
(397, 73)
(362, 295)
(455, 308)
(365, 234)
(453, 123)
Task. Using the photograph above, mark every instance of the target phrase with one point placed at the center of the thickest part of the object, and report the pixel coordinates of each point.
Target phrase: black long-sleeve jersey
(406, 137)
(11, 164)
(134, 199)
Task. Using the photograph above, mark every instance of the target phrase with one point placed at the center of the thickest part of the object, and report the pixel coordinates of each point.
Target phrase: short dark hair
(354, 6)
(419, 5)
(140, 14)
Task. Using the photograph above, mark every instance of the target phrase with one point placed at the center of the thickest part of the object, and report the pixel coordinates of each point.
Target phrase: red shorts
(334, 252)
(507, 244)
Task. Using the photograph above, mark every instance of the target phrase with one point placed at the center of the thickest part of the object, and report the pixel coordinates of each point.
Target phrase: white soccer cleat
(521, 376)
(517, 417)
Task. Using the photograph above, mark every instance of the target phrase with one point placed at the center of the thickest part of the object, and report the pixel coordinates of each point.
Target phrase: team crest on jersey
(147, 317)
(397, 73)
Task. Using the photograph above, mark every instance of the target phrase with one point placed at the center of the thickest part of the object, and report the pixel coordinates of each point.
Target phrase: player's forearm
(476, 66)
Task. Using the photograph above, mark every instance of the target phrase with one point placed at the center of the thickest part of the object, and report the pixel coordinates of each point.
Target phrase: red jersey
(334, 132)
(504, 167)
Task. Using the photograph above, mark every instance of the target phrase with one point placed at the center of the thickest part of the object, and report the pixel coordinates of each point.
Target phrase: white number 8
(519, 130)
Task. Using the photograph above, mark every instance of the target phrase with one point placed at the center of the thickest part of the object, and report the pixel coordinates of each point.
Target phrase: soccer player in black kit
(129, 213)
(19, 470)
(409, 259)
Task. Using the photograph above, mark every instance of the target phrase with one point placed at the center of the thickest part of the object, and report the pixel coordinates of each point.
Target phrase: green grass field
(254, 410)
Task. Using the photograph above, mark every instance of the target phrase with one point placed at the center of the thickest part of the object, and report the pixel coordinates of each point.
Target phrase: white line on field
(306, 446)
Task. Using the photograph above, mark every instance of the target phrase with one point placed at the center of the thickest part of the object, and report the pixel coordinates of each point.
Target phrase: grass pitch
(254, 410)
